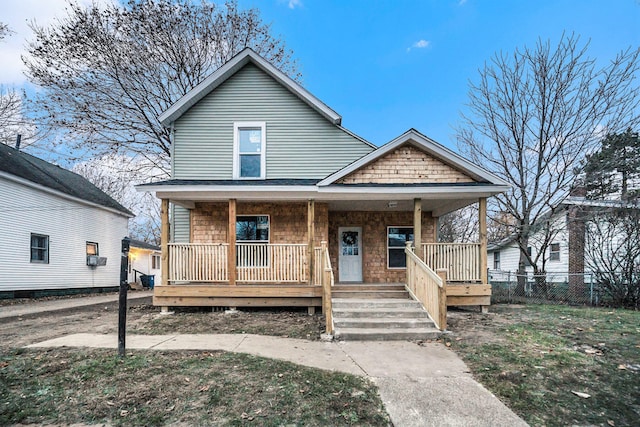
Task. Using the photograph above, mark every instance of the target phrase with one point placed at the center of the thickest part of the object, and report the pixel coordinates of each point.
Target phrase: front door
(350, 254)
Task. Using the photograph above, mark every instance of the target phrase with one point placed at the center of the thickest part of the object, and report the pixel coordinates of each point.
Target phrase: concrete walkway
(420, 385)
(29, 308)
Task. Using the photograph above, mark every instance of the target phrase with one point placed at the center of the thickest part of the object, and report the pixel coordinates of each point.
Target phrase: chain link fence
(548, 288)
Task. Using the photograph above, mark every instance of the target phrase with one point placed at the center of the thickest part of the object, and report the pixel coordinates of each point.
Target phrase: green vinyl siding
(181, 229)
(300, 143)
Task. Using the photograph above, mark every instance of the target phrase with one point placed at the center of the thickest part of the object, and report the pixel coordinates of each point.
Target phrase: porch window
(554, 252)
(397, 238)
(249, 150)
(252, 236)
(39, 248)
(496, 260)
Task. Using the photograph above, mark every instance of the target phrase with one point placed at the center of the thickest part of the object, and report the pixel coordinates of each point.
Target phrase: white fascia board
(229, 69)
(426, 144)
(307, 192)
(60, 194)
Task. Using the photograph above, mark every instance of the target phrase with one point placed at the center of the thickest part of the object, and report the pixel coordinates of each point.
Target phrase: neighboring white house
(144, 259)
(55, 224)
(565, 253)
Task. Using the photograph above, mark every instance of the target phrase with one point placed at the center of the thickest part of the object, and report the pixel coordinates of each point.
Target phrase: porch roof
(439, 198)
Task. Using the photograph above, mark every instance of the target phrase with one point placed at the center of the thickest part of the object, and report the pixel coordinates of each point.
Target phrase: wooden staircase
(379, 312)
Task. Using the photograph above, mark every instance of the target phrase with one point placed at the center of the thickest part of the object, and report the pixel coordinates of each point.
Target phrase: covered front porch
(306, 249)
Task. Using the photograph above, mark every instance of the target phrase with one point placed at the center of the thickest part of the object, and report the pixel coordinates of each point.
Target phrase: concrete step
(383, 334)
(385, 323)
(375, 303)
(397, 294)
(387, 312)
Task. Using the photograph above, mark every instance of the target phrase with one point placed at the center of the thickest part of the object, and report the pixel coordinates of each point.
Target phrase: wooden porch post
(482, 221)
(417, 227)
(164, 241)
(311, 232)
(231, 260)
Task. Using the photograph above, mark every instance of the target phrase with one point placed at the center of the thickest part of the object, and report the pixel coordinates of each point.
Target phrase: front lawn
(555, 365)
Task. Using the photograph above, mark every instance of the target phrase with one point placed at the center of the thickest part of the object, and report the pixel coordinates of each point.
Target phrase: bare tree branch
(531, 118)
(108, 73)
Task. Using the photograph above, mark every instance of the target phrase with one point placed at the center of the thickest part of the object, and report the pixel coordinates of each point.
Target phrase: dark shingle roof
(248, 182)
(48, 175)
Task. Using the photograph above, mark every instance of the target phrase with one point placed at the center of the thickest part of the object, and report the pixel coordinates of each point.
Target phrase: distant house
(59, 231)
(270, 199)
(144, 259)
(565, 253)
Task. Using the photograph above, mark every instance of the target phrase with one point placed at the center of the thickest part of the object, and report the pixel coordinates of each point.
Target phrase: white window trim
(94, 244)
(386, 237)
(236, 148)
(496, 260)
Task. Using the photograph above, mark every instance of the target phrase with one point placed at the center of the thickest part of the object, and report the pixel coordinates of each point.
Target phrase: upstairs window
(249, 140)
(554, 252)
(39, 248)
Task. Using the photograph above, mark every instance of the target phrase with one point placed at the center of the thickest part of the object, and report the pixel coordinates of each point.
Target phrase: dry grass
(534, 357)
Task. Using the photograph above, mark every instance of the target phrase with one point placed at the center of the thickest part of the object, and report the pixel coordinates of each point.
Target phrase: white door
(350, 254)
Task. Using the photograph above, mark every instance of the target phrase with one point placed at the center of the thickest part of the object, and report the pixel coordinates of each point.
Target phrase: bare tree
(459, 226)
(4, 30)
(532, 117)
(117, 175)
(613, 254)
(108, 73)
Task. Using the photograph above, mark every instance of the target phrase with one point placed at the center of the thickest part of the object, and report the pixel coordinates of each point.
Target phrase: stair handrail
(428, 287)
(327, 283)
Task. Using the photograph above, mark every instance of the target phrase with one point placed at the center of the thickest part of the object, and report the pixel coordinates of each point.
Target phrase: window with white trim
(496, 260)
(39, 248)
(554, 252)
(155, 262)
(397, 238)
(252, 238)
(249, 143)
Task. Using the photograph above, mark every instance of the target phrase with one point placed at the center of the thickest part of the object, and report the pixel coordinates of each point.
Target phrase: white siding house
(144, 258)
(51, 220)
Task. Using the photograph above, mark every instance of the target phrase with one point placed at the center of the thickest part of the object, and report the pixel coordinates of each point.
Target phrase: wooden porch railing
(327, 283)
(202, 262)
(428, 287)
(318, 266)
(277, 263)
(461, 260)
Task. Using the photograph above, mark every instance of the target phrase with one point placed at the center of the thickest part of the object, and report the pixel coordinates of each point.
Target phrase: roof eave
(229, 69)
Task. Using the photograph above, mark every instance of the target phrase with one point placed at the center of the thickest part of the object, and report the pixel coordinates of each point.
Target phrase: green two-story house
(270, 196)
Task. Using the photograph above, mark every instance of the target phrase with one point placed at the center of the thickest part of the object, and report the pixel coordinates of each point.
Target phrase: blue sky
(387, 66)
(365, 60)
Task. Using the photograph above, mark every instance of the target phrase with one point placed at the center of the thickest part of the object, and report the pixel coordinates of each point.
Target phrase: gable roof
(425, 144)
(45, 174)
(231, 67)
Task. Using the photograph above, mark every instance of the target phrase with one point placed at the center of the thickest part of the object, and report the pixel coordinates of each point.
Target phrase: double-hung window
(249, 142)
(496, 260)
(252, 238)
(554, 252)
(39, 248)
(397, 238)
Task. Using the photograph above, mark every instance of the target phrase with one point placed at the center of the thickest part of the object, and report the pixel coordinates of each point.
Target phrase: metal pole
(122, 300)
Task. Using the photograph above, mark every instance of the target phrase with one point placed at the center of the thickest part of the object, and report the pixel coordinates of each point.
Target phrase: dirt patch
(146, 319)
